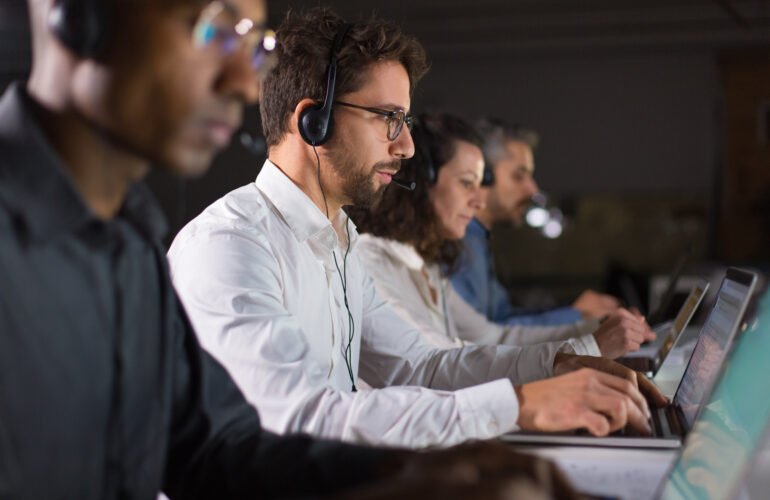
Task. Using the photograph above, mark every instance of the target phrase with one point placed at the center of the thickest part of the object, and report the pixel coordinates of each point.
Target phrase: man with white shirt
(270, 278)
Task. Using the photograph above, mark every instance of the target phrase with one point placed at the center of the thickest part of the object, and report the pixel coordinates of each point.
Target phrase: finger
(649, 335)
(650, 391)
(637, 419)
(596, 423)
(627, 388)
(632, 346)
(635, 336)
(632, 412)
(636, 312)
(610, 404)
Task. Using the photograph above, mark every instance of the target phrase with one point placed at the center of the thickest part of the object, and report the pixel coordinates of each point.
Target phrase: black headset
(81, 25)
(488, 177)
(315, 122)
(423, 140)
(315, 125)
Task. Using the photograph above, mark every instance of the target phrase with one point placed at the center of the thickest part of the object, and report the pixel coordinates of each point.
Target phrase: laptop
(721, 455)
(671, 423)
(669, 334)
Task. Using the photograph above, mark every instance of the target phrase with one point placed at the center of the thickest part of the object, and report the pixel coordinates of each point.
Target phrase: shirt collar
(35, 186)
(302, 216)
(403, 252)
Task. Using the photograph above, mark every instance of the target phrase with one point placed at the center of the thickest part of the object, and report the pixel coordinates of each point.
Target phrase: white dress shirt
(256, 274)
(402, 277)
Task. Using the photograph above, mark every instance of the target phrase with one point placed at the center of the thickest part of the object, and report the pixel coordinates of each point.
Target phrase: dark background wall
(629, 98)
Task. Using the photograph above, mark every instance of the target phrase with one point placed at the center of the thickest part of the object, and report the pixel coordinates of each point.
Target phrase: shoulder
(243, 217)
(372, 249)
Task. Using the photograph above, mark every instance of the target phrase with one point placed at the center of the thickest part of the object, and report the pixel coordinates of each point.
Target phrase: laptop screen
(682, 319)
(712, 342)
(723, 441)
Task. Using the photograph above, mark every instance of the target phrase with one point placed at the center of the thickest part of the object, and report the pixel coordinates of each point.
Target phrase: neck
(299, 163)
(101, 171)
(485, 217)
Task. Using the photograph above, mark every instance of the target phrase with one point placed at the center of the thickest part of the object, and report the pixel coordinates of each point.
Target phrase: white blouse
(403, 278)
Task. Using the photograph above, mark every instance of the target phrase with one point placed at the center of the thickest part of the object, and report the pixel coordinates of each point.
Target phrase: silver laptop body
(671, 423)
(671, 330)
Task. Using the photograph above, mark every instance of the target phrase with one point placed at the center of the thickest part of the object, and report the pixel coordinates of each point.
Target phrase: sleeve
(390, 331)
(217, 448)
(231, 289)
(552, 317)
(474, 327)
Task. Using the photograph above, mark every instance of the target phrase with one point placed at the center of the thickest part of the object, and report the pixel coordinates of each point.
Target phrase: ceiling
(450, 28)
(512, 28)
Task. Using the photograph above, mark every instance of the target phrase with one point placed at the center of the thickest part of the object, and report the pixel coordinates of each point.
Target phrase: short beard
(358, 182)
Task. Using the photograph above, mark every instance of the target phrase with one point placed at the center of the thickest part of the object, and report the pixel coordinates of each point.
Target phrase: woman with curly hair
(413, 242)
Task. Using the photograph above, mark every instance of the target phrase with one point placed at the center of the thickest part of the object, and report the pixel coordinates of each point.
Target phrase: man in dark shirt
(104, 391)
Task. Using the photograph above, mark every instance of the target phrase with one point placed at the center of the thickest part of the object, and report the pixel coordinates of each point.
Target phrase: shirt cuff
(588, 326)
(585, 346)
(488, 410)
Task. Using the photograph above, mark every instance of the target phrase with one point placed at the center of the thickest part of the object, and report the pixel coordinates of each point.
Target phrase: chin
(188, 164)
(458, 234)
(518, 219)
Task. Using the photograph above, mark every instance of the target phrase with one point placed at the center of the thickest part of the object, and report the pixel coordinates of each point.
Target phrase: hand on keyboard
(622, 332)
(588, 398)
(565, 363)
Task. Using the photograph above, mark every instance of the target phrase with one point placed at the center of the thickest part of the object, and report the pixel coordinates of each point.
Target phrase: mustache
(387, 165)
(526, 203)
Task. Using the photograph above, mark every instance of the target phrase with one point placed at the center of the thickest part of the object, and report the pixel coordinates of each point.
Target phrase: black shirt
(104, 390)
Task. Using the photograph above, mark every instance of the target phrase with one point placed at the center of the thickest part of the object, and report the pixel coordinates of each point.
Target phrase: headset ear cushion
(431, 174)
(315, 125)
(79, 24)
(488, 178)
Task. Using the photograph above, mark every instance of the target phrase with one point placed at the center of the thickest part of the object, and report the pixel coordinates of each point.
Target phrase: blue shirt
(476, 282)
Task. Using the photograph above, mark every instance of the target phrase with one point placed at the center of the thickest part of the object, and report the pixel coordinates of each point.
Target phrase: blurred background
(654, 117)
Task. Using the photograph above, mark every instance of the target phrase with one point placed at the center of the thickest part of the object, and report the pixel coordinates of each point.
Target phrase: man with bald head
(104, 390)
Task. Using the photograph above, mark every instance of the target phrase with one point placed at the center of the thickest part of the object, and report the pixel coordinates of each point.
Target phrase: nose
(533, 187)
(238, 79)
(403, 147)
(478, 199)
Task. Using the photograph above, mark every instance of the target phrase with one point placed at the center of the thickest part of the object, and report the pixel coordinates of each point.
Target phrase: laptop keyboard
(664, 422)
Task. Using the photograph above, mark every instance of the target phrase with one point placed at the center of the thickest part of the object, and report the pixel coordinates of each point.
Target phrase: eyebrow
(236, 13)
(394, 107)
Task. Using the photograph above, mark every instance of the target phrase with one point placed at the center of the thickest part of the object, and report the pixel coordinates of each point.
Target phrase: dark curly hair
(303, 51)
(408, 216)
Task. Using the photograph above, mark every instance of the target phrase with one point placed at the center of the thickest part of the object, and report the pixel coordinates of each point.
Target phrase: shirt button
(494, 427)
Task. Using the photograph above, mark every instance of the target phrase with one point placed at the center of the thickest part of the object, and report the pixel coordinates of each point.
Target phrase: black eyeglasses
(219, 25)
(395, 119)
